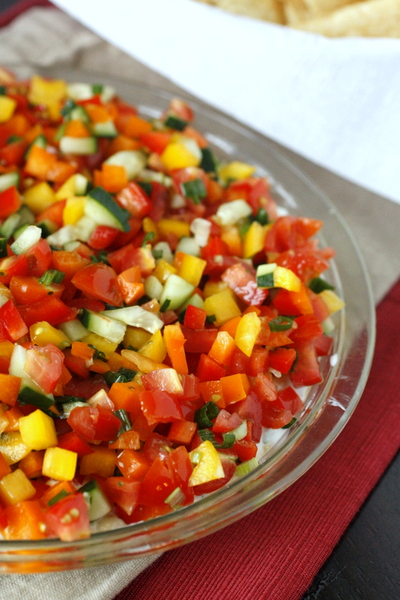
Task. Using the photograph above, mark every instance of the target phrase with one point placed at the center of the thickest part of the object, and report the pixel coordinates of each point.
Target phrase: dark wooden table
(366, 563)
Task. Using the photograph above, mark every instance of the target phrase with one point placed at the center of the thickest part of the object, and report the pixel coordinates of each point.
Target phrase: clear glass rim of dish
(334, 403)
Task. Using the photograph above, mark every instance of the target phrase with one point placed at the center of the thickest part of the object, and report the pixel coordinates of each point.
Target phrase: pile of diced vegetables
(158, 312)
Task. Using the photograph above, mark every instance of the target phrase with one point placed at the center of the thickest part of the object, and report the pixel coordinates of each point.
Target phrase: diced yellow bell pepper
(208, 467)
(236, 170)
(68, 188)
(59, 464)
(179, 228)
(15, 487)
(12, 447)
(155, 348)
(100, 462)
(100, 343)
(222, 306)
(177, 156)
(135, 337)
(39, 196)
(49, 93)
(38, 430)
(254, 239)
(247, 332)
(7, 108)
(213, 287)
(74, 209)
(271, 275)
(163, 270)
(332, 300)
(191, 269)
(43, 333)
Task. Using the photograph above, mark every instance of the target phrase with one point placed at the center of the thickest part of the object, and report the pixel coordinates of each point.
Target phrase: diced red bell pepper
(11, 320)
(10, 202)
(99, 281)
(54, 311)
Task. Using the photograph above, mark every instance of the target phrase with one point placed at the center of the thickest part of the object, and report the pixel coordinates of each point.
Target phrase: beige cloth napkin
(47, 37)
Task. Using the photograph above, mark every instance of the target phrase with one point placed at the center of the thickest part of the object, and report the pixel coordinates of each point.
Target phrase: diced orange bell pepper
(126, 395)
(112, 178)
(39, 162)
(130, 284)
(127, 440)
(100, 462)
(235, 387)
(174, 343)
(77, 129)
(61, 489)
(25, 521)
(222, 348)
(135, 126)
(133, 464)
(9, 388)
(32, 464)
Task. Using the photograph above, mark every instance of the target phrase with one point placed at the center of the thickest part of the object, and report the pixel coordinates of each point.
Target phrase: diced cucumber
(29, 395)
(40, 141)
(48, 227)
(10, 225)
(84, 91)
(7, 180)
(28, 238)
(106, 129)
(163, 250)
(265, 275)
(74, 330)
(68, 407)
(137, 317)
(26, 215)
(20, 229)
(188, 245)
(97, 503)
(76, 185)
(78, 113)
(62, 236)
(195, 300)
(176, 291)
(134, 161)
(108, 328)
(81, 146)
(149, 176)
(153, 287)
(84, 228)
(102, 208)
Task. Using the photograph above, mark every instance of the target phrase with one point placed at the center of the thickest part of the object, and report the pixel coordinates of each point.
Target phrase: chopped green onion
(204, 415)
(30, 396)
(97, 353)
(317, 285)
(97, 88)
(102, 256)
(14, 138)
(3, 90)
(3, 247)
(292, 422)
(246, 467)
(51, 276)
(176, 499)
(194, 189)
(146, 186)
(148, 238)
(68, 107)
(123, 375)
(165, 305)
(208, 162)
(175, 123)
(207, 435)
(123, 416)
(280, 323)
(262, 216)
(211, 318)
(62, 494)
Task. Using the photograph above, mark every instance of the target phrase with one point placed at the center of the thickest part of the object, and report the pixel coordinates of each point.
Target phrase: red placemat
(275, 553)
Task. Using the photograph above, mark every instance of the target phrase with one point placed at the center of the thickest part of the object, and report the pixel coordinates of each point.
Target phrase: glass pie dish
(328, 406)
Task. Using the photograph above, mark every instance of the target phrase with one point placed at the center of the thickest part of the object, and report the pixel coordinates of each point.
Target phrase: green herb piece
(175, 123)
(102, 256)
(158, 253)
(318, 285)
(51, 276)
(210, 319)
(62, 494)
(280, 323)
(165, 305)
(3, 90)
(207, 435)
(208, 163)
(123, 416)
(204, 415)
(14, 138)
(194, 189)
(292, 422)
(98, 353)
(148, 238)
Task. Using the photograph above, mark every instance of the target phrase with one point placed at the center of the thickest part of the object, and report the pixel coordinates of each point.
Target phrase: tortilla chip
(267, 10)
(373, 18)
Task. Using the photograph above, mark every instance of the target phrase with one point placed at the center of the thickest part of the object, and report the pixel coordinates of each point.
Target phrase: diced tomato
(102, 237)
(54, 311)
(160, 407)
(155, 141)
(134, 199)
(68, 518)
(123, 492)
(72, 441)
(44, 366)
(10, 201)
(99, 281)
(279, 412)
(243, 282)
(157, 485)
(199, 340)
(28, 290)
(39, 258)
(181, 467)
(306, 369)
(226, 421)
(250, 409)
(94, 423)
(282, 359)
(11, 266)
(11, 321)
